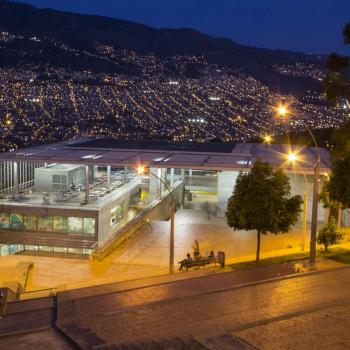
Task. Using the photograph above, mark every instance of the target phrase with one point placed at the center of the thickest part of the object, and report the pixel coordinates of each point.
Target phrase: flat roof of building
(147, 145)
(163, 154)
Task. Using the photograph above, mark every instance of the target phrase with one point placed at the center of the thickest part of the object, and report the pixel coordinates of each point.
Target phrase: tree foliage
(337, 84)
(262, 201)
(337, 88)
(328, 203)
(329, 235)
(324, 196)
(340, 140)
(339, 182)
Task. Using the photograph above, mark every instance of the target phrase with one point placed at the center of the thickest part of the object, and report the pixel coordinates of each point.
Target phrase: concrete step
(225, 342)
(166, 344)
(28, 315)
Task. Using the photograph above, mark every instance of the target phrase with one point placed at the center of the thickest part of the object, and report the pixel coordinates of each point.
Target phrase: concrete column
(159, 184)
(190, 172)
(15, 178)
(92, 173)
(182, 174)
(162, 173)
(87, 183)
(108, 176)
(226, 184)
(154, 183)
(125, 173)
(172, 178)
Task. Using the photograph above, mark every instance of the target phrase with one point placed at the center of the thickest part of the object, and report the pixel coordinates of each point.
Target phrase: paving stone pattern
(256, 314)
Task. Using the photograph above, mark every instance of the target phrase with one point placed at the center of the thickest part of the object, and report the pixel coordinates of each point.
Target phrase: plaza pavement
(147, 253)
(306, 311)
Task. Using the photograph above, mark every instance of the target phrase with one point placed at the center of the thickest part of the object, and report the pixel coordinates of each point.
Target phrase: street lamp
(292, 157)
(283, 112)
(268, 139)
(140, 172)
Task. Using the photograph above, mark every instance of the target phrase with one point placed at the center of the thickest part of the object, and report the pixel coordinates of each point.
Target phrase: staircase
(223, 342)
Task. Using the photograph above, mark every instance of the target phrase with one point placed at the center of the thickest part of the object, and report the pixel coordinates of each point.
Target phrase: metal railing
(119, 192)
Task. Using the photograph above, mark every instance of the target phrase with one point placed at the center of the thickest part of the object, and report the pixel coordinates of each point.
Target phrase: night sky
(312, 26)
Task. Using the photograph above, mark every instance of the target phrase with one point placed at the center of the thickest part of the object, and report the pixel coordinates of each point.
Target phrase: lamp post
(293, 157)
(283, 112)
(140, 171)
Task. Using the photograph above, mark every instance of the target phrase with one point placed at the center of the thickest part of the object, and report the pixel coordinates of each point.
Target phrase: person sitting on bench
(211, 255)
(185, 262)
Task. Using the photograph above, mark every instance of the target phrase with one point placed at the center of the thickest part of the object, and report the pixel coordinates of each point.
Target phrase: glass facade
(117, 214)
(4, 220)
(47, 223)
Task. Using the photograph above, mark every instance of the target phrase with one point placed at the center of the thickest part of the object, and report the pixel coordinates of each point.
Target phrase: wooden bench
(201, 262)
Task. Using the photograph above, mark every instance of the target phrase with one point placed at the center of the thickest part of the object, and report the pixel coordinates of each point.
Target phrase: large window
(4, 220)
(60, 224)
(75, 225)
(117, 214)
(89, 226)
(31, 223)
(47, 223)
(16, 221)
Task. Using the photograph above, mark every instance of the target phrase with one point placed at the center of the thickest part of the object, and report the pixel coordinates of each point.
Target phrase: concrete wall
(300, 184)
(43, 177)
(159, 212)
(154, 184)
(104, 216)
(226, 184)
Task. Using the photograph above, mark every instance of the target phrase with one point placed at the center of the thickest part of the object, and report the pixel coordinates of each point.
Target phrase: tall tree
(262, 201)
(337, 83)
(337, 88)
(339, 182)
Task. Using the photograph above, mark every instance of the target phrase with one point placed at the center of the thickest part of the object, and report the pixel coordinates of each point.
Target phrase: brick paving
(256, 313)
(83, 303)
(326, 329)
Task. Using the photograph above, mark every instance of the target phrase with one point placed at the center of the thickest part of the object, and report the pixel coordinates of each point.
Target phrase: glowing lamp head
(292, 157)
(282, 110)
(140, 170)
(267, 138)
(9, 122)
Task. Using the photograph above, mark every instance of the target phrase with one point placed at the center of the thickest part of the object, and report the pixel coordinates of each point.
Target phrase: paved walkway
(83, 303)
(266, 315)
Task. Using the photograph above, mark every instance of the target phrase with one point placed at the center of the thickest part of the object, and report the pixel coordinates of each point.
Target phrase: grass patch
(270, 261)
(338, 254)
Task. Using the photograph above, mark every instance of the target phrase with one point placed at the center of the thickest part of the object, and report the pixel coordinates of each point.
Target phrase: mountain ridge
(39, 25)
(82, 32)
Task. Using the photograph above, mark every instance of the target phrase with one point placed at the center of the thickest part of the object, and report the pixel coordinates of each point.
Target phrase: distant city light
(197, 120)
(214, 98)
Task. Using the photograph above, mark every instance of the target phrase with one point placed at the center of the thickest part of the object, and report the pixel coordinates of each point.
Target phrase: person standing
(196, 252)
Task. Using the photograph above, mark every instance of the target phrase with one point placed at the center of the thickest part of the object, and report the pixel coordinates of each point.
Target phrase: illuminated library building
(75, 196)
